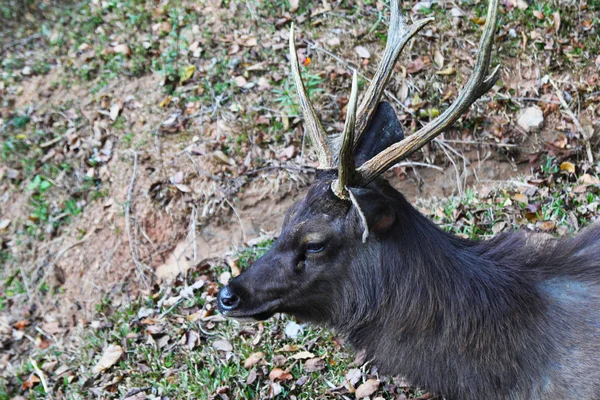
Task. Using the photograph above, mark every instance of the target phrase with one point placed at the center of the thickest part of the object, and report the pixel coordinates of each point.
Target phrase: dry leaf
(314, 365)
(240, 81)
(293, 330)
(567, 166)
(588, 179)
(233, 265)
(219, 156)
(438, 59)
(223, 345)
(251, 377)
(498, 227)
(288, 348)
(29, 383)
(280, 375)
(521, 4)
(362, 52)
(110, 357)
(353, 376)
(187, 73)
(115, 109)
(293, 5)
(556, 18)
(275, 390)
(253, 359)
(547, 225)
(165, 26)
(122, 49)
(303, 355)
(521, 198)
(367, 388)
(334, 42)
(166, 101)
(22, 324)
(457, 12)
(580, 189)
(403, 91)
(538, 14)
(415, 66)
(183, 188)
(4, 223)
(250, 41)
(446, 71)
(278, 360)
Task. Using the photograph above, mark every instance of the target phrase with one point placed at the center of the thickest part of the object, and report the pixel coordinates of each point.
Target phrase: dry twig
(575, 120)
(128, 209)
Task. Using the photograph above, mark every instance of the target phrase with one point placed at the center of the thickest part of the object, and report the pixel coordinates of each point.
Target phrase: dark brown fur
(515, 317)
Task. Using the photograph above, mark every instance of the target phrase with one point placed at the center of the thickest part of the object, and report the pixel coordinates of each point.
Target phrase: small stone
(362, 52)
(234, 62)
(334, 42)
(531, 119)
(293, 330)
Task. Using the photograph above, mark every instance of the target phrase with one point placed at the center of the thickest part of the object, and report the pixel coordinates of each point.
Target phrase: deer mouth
(249, 315)
(233, 306)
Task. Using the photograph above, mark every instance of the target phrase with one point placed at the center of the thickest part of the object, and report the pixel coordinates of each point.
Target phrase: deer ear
(383, 130)
(373, 210)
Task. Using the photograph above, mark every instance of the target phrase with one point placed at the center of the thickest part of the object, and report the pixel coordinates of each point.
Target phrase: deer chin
(261, 313)
(252, 318)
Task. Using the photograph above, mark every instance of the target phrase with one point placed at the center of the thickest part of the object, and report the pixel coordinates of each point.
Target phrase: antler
(476, 86)
(398, 35)
(311, 121)
(346, 158)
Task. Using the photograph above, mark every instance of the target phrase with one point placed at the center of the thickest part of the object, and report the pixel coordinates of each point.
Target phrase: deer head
(349, 214)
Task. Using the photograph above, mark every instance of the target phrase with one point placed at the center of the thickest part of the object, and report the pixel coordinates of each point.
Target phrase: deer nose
(227, 299)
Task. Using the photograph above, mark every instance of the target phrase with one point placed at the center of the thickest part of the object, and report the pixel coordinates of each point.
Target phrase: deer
(513, 317)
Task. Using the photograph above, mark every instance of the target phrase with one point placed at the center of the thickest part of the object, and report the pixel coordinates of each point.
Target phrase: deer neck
(432, 288)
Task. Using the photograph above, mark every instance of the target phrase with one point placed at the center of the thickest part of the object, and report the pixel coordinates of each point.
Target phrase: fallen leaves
(187, 73)
(303, 355)
(115, 109)
(314, 365)
(438, 59)
(521, 198)
(587, 179)
(367, 388)
(362, 52)
(293, 330)
(568, 167)
(531, 119)
(111, 355)
(278, 374)
(22, 324)
(415, 66)
(222, 345)
(253, 359)
(122, 49)
(31, 382)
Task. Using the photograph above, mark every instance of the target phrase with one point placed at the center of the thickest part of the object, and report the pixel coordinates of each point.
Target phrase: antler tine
(476, 86)
(346, 158)
(311, 121)
(399, 33)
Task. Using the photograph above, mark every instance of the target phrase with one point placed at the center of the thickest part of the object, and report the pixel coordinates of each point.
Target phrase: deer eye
(314, 247)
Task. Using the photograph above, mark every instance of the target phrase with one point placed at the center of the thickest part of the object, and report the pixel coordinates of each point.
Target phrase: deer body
(516, 317)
